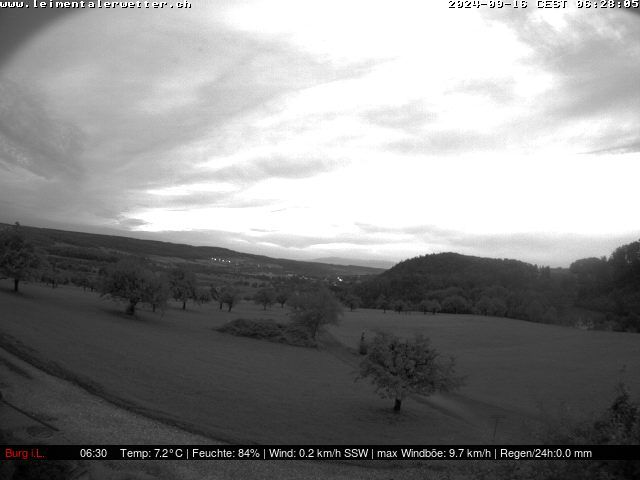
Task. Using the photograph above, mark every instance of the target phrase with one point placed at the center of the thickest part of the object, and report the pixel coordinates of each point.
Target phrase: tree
(535, 310)
(483, 306)
(383, 303)
(128, 280)
(216, 293)
(455, 304)
(156, 291)
(18, 257)
(264, 297)
(203, 296)
(82, 280)
(315, 309)
(435, 307)
(352, 301)
(282, 297)
(398, 368)
(229, 296)
(49, 273)
(400, 306)
(432, 306)
(183, 285)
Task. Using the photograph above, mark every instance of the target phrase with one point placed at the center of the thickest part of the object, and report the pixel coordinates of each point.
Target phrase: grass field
(175, 367)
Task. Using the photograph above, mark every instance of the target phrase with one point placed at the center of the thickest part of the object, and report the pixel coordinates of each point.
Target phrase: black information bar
(319, 452)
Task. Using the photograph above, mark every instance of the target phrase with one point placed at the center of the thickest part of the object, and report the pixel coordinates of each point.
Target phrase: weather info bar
(318, 452)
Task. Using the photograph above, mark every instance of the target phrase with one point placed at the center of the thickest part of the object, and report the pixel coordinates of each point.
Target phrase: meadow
(175, 367)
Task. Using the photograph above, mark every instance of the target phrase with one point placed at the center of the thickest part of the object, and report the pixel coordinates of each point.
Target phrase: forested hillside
(592, 293)
(89, 249)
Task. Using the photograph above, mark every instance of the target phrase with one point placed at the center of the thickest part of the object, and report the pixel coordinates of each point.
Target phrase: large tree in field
(129, 280)
(18, 257)
(183, 285)
(315, 309)
(398, 368)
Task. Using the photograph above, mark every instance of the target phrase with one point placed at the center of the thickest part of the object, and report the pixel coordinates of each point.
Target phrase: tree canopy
(183, 285)
(129, 280)
(265, 297)
(18, 257)
(314, 309)
(398, 368)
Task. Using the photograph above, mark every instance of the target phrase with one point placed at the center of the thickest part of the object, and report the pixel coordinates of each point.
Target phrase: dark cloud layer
(595, 64)
(32, 139)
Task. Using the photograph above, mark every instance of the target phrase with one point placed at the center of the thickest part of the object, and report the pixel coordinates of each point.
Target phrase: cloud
(130, 223)
(498, 90)
(445, 142)
(277, 167)
(594, 63)
(155, 104)
(618, 147)
(30, 138)
(409, 117)
(197, 200)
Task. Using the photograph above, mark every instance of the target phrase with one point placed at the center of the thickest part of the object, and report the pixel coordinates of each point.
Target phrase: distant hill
(91, 246)
(593, 293)
(379, 264)
(455, 283)
(412, 279)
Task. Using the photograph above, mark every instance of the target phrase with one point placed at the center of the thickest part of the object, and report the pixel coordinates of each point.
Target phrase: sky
(371, 130)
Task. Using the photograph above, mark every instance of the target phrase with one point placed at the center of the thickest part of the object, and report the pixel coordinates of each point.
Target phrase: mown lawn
(516, 364)
(174, 366)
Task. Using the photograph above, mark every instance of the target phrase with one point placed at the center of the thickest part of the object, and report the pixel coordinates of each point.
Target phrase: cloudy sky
(365, 129)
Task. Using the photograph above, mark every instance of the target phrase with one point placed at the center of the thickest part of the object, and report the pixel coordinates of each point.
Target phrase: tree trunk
(131, 308)
(230, 305)
(184, 304)
(15, 284)
(153, 307)
(397, 405)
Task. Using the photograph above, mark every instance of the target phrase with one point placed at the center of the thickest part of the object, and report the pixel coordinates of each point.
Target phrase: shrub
(617, 425)
(269, 330)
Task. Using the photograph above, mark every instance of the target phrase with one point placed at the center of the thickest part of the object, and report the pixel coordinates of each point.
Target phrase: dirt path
(81, 418)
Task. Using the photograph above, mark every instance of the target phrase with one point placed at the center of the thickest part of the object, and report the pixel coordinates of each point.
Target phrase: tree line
(453, 283)
(607, 287)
